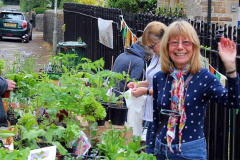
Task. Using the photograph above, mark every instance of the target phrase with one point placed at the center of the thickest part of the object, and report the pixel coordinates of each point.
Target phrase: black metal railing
(222, 125)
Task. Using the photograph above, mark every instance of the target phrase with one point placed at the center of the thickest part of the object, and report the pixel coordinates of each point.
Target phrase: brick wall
(198, 9)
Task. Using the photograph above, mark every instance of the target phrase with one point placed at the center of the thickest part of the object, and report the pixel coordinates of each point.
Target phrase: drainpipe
(55, 29)
(209, 11)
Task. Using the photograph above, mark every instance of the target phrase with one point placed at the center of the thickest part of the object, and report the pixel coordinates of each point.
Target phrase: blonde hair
(175, 29)
(153, 32)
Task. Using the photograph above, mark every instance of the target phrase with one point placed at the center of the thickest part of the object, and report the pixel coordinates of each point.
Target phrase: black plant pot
(91, 154)
(101, 122)
(117, 115)
(61, 157)
(15, 89)
(11, 119)
(105, 105)
(13, 122)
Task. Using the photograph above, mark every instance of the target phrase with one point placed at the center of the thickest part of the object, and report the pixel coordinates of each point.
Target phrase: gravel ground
(37, 46)
(40, 50)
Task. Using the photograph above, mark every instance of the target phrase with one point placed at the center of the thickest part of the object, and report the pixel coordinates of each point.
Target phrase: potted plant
(55, 70)
(117, 107)
(114, 145)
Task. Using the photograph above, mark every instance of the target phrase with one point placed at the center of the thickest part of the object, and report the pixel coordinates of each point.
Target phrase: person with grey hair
(152, 36)
(137, 54)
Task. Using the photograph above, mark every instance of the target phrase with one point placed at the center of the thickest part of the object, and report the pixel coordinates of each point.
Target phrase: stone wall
(222, 10)
(48, 26)
(39, 22)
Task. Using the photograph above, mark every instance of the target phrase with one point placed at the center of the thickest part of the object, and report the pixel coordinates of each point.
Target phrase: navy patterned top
(202, 87)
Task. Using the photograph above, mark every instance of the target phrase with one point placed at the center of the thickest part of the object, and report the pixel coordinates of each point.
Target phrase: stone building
(223, 11)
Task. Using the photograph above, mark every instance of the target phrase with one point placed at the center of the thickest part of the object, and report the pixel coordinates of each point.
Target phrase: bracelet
(230, 72)
(148, 91)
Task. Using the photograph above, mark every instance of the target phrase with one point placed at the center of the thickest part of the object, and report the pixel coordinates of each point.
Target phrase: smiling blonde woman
(181, 92)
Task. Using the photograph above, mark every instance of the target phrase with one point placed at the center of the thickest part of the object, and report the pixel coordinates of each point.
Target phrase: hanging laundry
(105, 32)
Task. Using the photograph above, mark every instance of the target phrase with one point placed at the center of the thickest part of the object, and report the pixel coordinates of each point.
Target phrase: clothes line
(128, 36)
(219, 76)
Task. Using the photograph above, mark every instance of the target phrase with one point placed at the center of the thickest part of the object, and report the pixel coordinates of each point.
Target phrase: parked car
(15, 24)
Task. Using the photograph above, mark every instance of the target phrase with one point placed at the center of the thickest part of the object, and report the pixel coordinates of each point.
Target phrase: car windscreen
(16, 16)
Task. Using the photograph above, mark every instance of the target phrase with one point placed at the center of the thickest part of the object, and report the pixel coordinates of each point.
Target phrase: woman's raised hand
(228, 52)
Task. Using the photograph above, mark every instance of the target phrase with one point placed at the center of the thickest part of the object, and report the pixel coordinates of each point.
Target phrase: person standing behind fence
(151, 37)
(181, 92)
(136, 53)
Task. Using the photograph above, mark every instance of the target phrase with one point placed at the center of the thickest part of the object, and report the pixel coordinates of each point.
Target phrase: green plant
(91, 2)
(22, 63)
(2, 64)
(114, 145)
(14, 155)
(1, 4)
(56, 62)
(177, 11)
(64, 27)
(40, 10)
(25, 86)
(133, 6)
(79, 40)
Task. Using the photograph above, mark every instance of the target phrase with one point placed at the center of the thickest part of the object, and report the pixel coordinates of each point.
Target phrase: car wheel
(27, 39)
(30, 38)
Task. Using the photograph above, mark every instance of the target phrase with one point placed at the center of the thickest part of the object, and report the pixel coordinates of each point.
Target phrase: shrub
(40, 10)
(90, 2)
(133, 6)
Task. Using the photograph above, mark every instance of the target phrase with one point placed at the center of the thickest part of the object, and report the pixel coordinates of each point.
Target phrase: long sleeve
(3, 89)
(228, 97)
(3, 85)
(156, 118)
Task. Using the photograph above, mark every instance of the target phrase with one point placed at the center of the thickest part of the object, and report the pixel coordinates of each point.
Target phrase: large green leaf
(33, 134)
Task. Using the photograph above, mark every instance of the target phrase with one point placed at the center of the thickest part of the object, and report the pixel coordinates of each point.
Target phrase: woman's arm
(228, 52)
(142, 91)
(138, 84)
(156, 116)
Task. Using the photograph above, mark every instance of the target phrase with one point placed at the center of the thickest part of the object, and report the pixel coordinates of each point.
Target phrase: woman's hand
(228, 52)
(139, 91)
(132, 85)
(11, 85)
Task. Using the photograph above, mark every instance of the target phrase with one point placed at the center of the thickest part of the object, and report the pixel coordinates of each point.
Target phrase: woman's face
(155, 47)
(180, 51)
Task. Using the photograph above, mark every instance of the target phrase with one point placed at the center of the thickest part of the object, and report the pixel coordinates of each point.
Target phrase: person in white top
(151, 37)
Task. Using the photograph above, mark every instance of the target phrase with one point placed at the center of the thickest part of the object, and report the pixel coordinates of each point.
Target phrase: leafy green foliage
(133, 6)
(114, 145)
(2, 65)
(14, 155)
(177, 11)
(40, 10)
(1, 4)
(35, 129)
(27, 120)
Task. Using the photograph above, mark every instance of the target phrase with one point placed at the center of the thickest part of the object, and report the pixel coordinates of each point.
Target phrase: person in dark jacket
(5, 85)
(137, 54)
